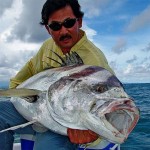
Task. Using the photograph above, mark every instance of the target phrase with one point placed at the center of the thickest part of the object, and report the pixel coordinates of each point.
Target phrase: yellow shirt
(88, 52)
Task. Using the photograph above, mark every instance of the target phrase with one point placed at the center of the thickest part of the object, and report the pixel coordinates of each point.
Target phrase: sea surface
(139, 138)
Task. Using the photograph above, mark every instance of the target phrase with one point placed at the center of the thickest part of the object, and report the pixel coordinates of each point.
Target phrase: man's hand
(81, 136)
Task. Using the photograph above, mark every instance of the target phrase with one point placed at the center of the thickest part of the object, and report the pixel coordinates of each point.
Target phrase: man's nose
(63, 30)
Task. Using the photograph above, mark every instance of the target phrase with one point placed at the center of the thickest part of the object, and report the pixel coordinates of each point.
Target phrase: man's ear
(80, 22)
(47, 28)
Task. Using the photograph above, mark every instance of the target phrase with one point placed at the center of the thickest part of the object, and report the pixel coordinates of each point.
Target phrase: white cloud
(128, 69)
(147, 48)
(6, 73)
(120, 46)
(134, 73)
(139, 21)
(28, 28)
(11, 14)
(93, 8)
(133, 59)
(13, 56)
(89, 31)
(4, 5)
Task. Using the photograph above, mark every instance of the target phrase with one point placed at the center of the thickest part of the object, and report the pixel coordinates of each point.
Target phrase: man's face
(65, 37)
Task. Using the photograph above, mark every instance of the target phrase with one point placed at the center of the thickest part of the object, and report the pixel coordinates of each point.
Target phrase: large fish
(79, 97)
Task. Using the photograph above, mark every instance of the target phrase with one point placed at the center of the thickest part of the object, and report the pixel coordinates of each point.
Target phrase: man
(63, 21)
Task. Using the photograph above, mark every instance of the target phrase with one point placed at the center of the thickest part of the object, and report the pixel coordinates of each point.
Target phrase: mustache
(64, 36)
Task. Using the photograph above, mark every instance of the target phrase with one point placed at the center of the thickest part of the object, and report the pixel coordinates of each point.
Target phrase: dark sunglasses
(67, 23)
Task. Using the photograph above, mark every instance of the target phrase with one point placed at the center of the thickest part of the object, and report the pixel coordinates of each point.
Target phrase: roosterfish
(76, 96)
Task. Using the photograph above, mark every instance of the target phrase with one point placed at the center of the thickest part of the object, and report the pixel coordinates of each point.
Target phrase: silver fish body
(80, 97)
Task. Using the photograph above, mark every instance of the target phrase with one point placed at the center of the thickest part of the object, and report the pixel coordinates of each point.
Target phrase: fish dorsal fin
(71, 58)
(30, 95)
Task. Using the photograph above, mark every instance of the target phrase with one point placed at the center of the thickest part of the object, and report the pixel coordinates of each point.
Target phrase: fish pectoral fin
(20, 92)
(30, 95)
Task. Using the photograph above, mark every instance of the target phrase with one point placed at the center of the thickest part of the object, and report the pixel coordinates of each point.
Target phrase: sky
(120, 28)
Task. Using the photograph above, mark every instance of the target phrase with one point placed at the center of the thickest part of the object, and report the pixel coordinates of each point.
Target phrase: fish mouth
(121, 118)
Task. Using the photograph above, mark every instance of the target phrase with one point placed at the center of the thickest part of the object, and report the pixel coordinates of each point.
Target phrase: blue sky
(120, 28)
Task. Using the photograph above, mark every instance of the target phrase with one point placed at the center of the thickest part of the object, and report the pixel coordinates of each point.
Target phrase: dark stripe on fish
(114, 82)
(86, 72)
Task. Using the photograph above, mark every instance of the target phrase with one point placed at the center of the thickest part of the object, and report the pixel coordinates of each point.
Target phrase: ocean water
(139, 138)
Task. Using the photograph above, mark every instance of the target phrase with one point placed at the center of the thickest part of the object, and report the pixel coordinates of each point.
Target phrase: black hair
(51, 6)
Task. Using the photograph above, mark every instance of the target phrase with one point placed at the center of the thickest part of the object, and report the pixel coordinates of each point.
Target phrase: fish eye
(101, 88)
